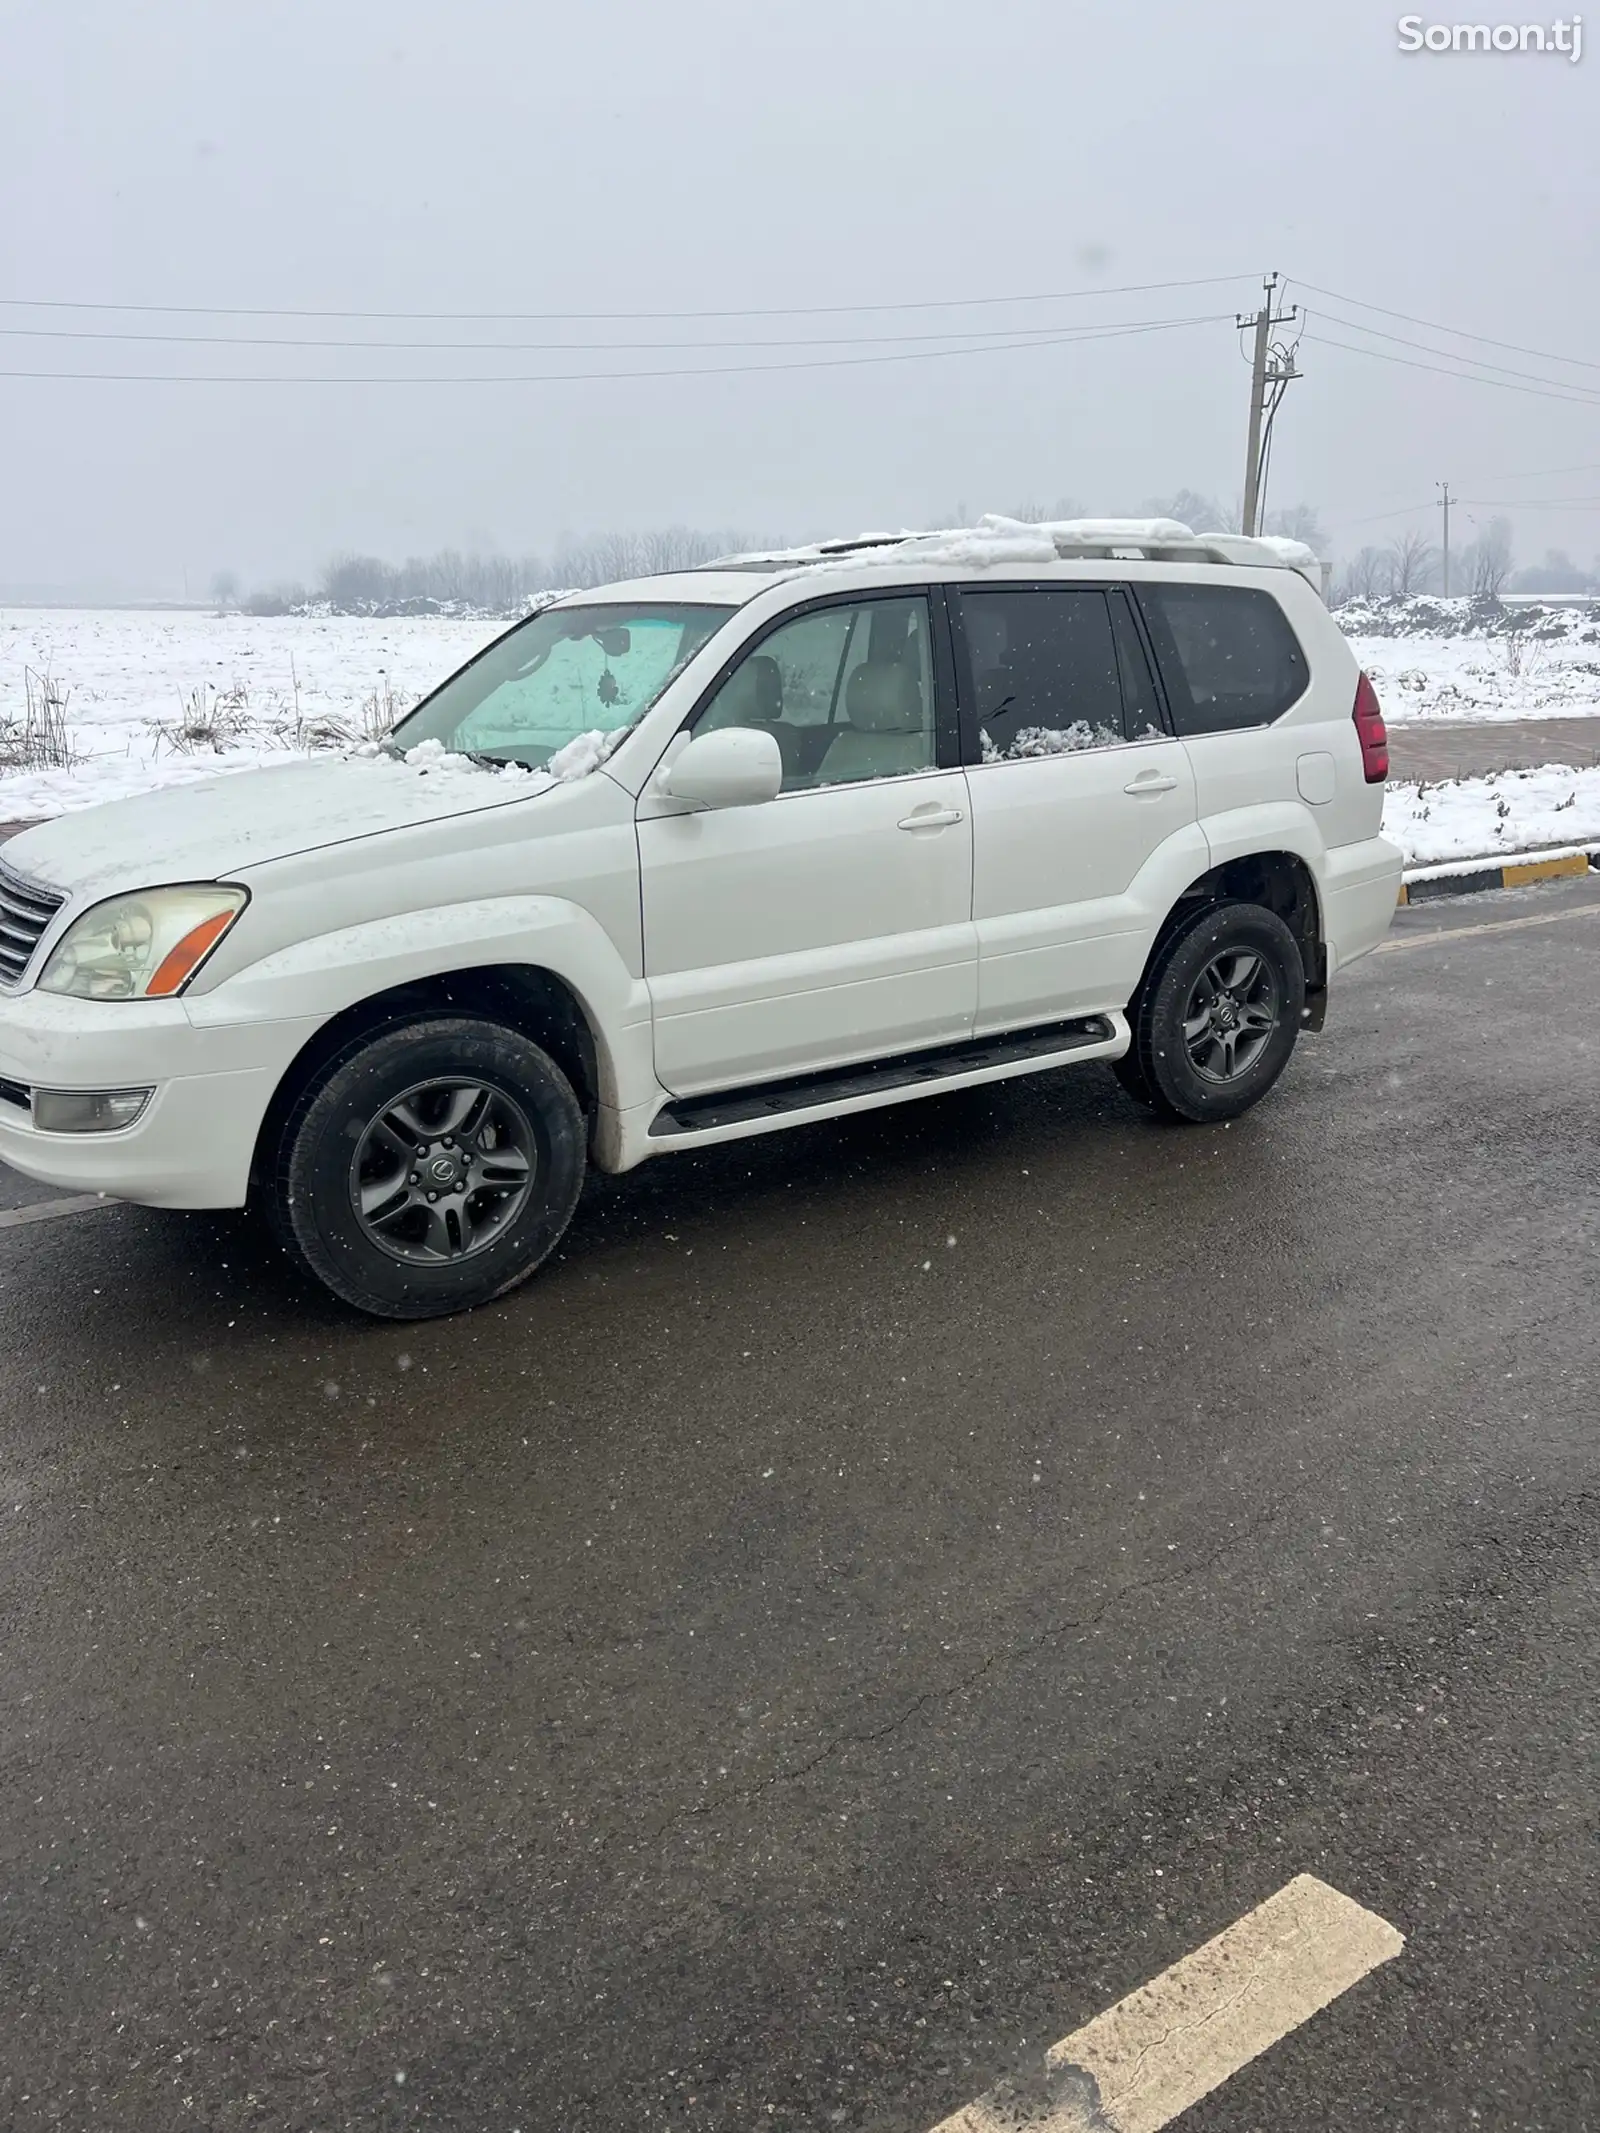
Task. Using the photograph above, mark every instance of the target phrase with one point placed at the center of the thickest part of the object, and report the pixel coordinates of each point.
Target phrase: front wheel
(1220, 1014)
(430, 1168)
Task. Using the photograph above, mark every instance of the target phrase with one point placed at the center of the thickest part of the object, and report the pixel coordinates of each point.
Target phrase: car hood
(218, 826)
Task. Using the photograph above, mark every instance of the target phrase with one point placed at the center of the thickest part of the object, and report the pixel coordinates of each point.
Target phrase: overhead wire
(519, 318)
(716, 370)
(1448, 355)
(1459, 333)
(1576, 397)
(826, 340)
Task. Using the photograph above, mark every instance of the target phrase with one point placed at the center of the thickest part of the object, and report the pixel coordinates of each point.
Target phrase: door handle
(932, 818)
(1152, 782)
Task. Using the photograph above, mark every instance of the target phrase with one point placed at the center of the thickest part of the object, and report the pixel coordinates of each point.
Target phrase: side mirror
(736, 766)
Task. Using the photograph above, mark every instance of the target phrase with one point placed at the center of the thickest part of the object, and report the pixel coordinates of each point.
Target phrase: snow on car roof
(716, 585)
(993, 543)
(1007, 542)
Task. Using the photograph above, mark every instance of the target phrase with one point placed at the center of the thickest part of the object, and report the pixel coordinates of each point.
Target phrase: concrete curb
(1464, 877)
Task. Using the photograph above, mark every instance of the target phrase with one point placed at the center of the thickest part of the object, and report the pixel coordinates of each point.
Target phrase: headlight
(142, 947)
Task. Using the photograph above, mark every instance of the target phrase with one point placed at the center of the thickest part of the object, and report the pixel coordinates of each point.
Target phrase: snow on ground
(259, 688)
(138, 689)
(1509, 811)
(1505, 677)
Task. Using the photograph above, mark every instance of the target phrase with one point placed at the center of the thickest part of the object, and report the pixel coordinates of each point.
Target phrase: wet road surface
(886, 1592)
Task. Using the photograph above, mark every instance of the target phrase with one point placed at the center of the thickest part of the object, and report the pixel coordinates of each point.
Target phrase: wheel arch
(537, 1002)
(1282, 883)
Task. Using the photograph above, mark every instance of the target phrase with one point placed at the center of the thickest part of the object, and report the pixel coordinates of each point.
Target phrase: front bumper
(195, 1142)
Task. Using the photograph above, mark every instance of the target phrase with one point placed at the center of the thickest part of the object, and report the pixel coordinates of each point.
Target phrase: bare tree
(1489, 561)
(1364, 577)
(1201, 514)
(1411, 561)
(1299, 523)
(225, 588)
(1368, 573)
(503, 585)
(1037, 514)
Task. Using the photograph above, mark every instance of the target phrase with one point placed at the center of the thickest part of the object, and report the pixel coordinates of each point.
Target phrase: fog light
(87, 1110)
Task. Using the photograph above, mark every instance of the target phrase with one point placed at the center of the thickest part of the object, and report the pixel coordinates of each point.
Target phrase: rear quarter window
(1228, 654)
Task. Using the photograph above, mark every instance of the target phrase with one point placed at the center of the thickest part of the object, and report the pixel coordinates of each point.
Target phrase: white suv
(699, 857)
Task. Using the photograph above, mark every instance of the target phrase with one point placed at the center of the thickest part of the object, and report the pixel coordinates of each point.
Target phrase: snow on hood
(204, 831)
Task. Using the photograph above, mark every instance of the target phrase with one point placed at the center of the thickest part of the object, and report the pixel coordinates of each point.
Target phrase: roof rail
(996, 542)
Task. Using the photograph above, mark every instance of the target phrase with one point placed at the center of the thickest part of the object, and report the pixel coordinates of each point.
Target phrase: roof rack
(996, 542)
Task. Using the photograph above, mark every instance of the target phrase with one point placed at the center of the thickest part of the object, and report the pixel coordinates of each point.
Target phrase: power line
(1574, 398)
(1476, 503)
(1459, 333)
(1526, 503)
(702, 370)
(1540, 473)
(1478, 363)
(1372, 518)
(826, 340)
(936, 303)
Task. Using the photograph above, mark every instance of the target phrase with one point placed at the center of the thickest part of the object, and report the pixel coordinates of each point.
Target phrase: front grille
(25, 911)
(13, 1092)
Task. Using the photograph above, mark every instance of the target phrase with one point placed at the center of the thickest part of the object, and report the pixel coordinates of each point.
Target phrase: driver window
(847, 691)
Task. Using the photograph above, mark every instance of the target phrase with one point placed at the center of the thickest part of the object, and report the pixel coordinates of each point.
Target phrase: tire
(429, 1168)
(1238, 967)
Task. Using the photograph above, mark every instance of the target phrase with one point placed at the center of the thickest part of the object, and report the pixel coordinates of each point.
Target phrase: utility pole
(1271, 369)
(1444, 499)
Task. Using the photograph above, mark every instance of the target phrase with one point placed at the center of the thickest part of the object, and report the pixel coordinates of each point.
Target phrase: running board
(880, 1077)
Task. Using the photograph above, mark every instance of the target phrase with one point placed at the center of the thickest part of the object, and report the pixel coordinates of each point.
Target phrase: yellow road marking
(51, 1210)
(1134, 2068)
(1494, 925)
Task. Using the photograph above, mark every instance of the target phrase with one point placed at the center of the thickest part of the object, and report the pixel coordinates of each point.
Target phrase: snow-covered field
(1506, 677)
(159, 699)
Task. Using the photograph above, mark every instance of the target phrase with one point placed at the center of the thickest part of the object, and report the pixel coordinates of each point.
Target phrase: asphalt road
(884, 1594)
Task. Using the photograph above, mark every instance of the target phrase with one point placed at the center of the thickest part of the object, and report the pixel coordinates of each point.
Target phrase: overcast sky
(701, 156)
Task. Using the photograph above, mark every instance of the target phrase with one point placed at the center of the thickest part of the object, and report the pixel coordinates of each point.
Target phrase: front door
(834, 923)
(1076, 788)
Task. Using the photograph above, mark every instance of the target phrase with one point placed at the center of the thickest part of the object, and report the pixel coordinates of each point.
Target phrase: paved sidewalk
(1441, 748)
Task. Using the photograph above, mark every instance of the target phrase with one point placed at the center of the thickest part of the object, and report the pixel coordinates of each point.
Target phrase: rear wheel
(430, 1168)
(1218, 1018)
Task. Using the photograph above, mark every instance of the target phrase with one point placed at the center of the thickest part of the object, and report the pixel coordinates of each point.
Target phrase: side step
(807, 1092)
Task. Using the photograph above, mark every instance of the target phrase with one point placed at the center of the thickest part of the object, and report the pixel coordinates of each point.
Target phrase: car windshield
(568, 672)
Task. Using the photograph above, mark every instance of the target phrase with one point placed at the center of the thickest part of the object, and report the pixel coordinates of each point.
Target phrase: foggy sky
(614, 156)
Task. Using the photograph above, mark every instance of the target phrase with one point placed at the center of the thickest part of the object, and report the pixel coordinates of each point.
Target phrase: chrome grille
(25, 911)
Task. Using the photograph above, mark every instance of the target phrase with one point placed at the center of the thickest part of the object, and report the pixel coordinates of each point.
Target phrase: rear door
(1076, 787)
(1233, 667)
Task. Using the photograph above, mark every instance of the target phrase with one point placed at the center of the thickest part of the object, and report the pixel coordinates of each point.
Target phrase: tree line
(455, 581)
(494, 584)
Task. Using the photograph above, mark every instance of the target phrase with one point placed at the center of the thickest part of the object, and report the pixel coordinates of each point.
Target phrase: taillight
(1373, 733)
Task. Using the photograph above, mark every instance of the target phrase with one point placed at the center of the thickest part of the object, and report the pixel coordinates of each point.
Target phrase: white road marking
(1496, 925)
(1138, 2065)
(51, 1210)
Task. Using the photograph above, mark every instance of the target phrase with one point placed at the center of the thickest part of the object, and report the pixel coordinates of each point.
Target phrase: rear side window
(1044, 670)
(1228, 654)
